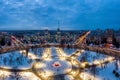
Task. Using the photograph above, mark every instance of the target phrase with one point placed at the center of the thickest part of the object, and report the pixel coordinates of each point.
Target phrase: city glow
(52, 61)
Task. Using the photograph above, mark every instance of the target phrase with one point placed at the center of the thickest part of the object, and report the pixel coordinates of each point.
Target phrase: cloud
(72, 14)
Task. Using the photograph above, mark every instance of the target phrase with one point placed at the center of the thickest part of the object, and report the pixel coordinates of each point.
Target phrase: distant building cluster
(107, 38)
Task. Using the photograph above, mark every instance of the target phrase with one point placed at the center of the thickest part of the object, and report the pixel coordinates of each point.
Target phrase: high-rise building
(58, 35)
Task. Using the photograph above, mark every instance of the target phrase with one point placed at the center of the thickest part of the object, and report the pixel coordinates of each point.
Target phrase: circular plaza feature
(56, 64)
(49, 68)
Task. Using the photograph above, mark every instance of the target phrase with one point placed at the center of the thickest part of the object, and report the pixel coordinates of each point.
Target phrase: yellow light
(110, 58)
(40, 65)
(29, 76)
(73, 73)
(73, 57)
(83, 65)
(96, 62)
(32, 56)
(47, 53)
(61, 52)
(82, 50)
(5, 73)
(46, 74)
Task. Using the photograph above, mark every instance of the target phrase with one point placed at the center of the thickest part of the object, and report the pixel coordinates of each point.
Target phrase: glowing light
(73, 73)
(39, 65)
(3, 74)
(96, 62)
(108, 59)
(83, 65)
(47, 53)
(74, 62)
(67, 70)
(61, 52)
(76, 54)
(88, 76)
(47, 73)
(29, 76)
(32, 56)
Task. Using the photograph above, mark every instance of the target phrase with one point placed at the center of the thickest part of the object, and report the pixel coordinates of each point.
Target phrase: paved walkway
(15, 70)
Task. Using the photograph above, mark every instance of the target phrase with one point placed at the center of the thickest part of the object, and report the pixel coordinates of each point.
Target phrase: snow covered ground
(104, 72)
(19, 61)
(4, 75)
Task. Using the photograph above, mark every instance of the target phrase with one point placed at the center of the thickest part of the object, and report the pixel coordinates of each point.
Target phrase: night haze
(71, 14)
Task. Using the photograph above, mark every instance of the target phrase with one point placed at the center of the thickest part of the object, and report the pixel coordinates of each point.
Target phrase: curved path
(15, 70)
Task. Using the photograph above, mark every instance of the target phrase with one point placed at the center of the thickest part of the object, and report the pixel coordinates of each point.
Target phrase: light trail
(82, 38)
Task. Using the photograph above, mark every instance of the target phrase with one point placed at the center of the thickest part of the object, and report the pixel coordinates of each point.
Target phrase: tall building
(46, 34)
(109, 33)
(58, 35)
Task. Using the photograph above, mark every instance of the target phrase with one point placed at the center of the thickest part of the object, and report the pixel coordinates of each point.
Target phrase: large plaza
(54, 63)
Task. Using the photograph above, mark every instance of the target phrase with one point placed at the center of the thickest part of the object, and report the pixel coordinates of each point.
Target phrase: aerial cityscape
(59, 40)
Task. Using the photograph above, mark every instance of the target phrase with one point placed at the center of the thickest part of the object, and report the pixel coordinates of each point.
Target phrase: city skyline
(71, 15)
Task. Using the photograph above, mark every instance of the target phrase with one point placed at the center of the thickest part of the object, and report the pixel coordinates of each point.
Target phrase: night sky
(70, 14)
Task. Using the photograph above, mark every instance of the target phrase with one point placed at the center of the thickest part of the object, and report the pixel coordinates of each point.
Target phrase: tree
(2, 41)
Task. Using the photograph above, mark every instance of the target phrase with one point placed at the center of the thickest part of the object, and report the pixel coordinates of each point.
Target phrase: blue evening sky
(72, 14)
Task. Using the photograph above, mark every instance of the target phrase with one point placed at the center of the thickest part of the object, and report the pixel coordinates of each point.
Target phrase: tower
(46, 35)
(58, 35)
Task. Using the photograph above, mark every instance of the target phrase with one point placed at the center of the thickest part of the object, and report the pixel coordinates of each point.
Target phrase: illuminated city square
(59, 39)
(58, 62)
